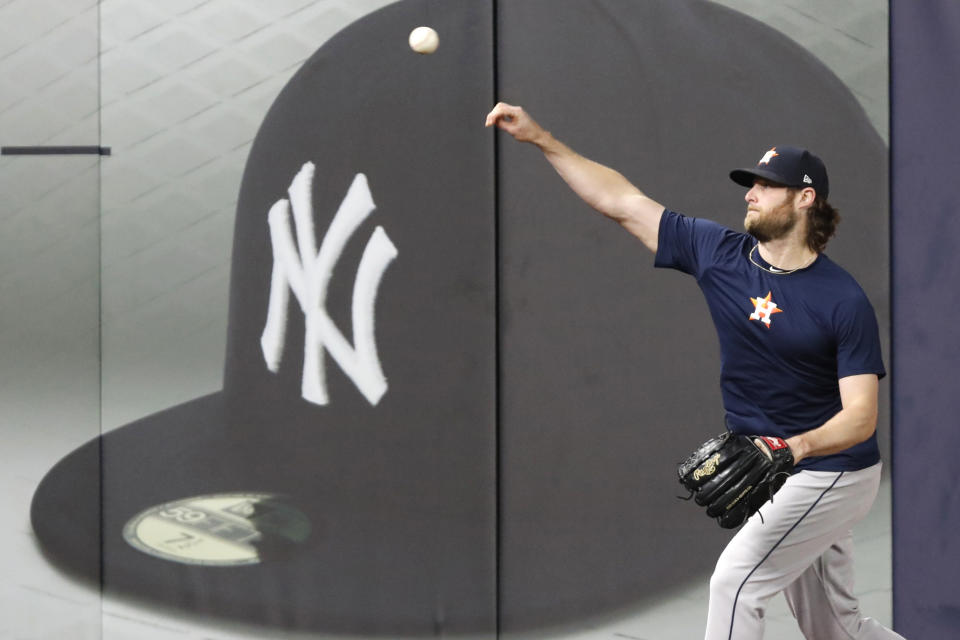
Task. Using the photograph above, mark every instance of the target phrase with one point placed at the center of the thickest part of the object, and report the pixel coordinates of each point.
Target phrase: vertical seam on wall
(498, 555)
(100, 452)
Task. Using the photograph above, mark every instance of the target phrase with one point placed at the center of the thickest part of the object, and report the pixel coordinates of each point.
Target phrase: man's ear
(805, 198)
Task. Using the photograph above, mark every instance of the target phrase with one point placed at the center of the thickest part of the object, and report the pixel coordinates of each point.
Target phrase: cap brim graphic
(371, 542)
(513, 474)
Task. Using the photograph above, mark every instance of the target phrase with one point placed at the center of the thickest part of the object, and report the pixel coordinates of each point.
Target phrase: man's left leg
(823, 602)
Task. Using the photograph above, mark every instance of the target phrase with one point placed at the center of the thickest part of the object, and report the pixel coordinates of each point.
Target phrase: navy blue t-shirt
(785, 338)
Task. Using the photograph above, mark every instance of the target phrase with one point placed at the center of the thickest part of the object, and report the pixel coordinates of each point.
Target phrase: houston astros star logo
(763, 308)
(768, 156)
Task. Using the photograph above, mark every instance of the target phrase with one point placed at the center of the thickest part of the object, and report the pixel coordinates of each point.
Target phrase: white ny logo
(307, 272)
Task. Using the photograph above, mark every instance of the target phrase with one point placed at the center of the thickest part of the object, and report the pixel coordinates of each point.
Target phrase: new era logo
(807, 179)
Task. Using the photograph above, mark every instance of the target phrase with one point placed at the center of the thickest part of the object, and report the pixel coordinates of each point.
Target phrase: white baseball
(424, 40)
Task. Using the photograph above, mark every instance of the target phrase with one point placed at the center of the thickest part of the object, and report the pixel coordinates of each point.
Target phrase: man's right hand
(517, 122)
(603, 188)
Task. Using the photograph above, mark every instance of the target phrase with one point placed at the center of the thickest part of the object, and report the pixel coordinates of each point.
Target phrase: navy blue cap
(789, 166)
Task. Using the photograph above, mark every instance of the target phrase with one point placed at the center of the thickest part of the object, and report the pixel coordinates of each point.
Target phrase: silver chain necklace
(776, 271)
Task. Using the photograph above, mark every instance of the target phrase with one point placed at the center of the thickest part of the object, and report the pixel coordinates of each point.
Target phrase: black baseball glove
(734, 475)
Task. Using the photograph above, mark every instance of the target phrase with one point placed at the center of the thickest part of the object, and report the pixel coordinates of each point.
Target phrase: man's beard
(773, 224)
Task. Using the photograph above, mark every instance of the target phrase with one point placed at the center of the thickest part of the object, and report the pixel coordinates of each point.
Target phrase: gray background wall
(116, 270)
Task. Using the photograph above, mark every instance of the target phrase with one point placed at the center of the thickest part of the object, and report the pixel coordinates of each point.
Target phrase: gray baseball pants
(802, 546)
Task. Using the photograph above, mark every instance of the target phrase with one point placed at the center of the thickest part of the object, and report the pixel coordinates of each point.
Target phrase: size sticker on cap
(226, 529)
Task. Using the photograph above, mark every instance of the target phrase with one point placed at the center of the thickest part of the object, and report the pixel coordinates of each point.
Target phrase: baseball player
(801, 363)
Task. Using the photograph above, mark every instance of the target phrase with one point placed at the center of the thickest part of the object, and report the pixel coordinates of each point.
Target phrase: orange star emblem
(768, 156)
(763, 308)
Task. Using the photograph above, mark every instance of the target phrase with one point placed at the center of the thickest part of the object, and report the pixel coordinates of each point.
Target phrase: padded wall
(609, 368)
(504, 458)
(925, 98)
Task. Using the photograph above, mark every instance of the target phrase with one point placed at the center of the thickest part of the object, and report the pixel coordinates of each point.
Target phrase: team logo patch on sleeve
(763, 308)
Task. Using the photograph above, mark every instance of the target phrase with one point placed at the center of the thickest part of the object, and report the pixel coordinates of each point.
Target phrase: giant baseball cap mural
(413, 435)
